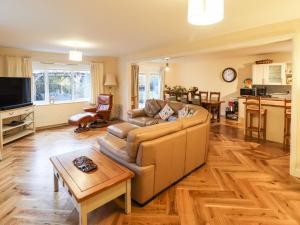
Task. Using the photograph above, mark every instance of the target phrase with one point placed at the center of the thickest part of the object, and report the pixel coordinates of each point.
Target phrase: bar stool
(287, 123)
(254, 109)
(214, 108)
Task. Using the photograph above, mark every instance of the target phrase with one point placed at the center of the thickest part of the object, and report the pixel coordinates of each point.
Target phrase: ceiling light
(205, 12)
(75, 55)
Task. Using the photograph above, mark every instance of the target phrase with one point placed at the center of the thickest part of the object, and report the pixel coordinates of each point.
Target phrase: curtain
(162, 81)
(27, 67)
(134, 86)
(97, 77)
(18, 66)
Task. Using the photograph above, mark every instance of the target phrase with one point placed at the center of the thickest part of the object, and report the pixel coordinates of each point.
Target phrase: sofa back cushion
(176, 106)
(151, 107)
(137, 136)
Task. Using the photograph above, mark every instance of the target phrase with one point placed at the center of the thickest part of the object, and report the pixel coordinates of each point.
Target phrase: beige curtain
(18, 66)
(97, 77)
(27, 67)
(134, 86)
(162, 81)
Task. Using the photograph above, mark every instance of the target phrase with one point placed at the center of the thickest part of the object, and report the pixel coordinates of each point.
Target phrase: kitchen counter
(276, 102)
(275, 117)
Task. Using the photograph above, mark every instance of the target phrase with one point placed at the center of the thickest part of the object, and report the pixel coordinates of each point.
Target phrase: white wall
(56, 114)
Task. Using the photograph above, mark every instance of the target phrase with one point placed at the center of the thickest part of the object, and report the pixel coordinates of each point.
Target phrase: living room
(108, 125)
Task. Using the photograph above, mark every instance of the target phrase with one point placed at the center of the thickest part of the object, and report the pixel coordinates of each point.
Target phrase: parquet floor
(243, 183)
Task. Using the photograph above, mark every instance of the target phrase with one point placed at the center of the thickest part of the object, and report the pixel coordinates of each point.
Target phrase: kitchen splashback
(276, 88)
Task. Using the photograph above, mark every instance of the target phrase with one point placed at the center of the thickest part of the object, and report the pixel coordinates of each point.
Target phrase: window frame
(46, 71)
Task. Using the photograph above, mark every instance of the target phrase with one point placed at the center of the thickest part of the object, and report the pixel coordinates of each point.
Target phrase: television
(14, 92)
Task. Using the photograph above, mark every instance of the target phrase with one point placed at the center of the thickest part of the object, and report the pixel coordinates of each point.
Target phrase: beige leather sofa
(161, 154)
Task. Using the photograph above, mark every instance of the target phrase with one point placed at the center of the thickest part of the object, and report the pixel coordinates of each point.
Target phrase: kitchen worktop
(266, 101)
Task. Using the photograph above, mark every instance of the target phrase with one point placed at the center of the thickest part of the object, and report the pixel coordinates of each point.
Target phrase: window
(149, 87)
(60, 83)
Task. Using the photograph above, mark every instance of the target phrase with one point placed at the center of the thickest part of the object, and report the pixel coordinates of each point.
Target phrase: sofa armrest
(135, 113)
(91, 109)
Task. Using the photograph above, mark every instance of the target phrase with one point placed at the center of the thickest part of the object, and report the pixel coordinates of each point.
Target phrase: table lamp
(110, 81)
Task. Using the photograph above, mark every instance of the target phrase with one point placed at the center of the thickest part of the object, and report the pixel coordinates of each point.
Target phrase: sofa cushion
(176, 106)
(166, 112)
(140, 121)
(115, 146)
(151, 107)
(136, 136)
(121, 129)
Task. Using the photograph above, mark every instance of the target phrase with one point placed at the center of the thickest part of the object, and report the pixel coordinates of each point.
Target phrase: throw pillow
(166, 112)
(190, 113)
(172, 118)
(183, 112)
(151, 108)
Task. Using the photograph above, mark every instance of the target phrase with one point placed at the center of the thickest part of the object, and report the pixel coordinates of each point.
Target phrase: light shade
(205, 12)
(110, 80)
(75, 55)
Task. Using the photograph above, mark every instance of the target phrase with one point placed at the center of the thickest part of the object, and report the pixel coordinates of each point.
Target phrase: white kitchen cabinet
(269, 74)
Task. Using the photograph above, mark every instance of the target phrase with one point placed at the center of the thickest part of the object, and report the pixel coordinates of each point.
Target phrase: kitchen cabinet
(269, 74)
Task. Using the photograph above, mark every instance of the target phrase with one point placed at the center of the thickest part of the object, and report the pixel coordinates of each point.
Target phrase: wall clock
(229, 74)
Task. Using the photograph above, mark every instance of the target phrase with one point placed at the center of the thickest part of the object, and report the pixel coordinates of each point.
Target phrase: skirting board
(51, 126)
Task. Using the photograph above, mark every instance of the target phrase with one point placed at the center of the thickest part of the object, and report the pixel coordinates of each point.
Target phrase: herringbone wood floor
(243, 183)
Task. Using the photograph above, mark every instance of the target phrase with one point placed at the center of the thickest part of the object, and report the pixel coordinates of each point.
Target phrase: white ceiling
(120, 27)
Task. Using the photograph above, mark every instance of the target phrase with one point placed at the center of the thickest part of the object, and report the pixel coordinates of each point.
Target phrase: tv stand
(10, 132)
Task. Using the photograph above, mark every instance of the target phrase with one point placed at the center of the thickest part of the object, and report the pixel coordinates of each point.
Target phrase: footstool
(121, 130)
(82, 120)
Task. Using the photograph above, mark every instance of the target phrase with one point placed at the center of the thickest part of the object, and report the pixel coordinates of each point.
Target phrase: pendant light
(205, 12)
(167, 68)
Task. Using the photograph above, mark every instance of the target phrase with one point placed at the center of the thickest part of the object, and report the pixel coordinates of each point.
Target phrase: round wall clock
(229, 74)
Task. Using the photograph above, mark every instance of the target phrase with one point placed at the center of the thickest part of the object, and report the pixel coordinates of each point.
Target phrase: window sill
(61, 102)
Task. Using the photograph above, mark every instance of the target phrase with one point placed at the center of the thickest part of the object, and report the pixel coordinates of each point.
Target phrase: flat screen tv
(14, 92)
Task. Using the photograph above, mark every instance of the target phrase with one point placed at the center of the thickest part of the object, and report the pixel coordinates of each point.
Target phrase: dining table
(214, 107)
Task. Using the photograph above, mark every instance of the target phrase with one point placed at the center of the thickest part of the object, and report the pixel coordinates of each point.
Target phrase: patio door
(149, 87)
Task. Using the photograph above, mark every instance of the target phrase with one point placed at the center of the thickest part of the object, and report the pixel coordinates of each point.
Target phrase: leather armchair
(103, 107)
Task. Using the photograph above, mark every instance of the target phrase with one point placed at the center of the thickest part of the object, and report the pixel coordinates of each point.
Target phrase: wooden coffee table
(89, 191)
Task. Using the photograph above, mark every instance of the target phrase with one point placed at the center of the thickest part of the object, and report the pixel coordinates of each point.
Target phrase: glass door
(149, 87)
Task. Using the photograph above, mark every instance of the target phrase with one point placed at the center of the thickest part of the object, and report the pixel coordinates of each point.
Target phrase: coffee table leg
(82, 215)
(128, 197)
(55, 182)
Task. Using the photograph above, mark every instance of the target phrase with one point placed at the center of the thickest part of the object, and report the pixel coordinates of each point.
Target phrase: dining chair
(213, 105)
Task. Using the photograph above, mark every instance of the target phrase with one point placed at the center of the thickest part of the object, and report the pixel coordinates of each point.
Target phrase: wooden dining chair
(287, 123)
(200, 98)
(254, 109)
(214, 97)
(184, 98)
